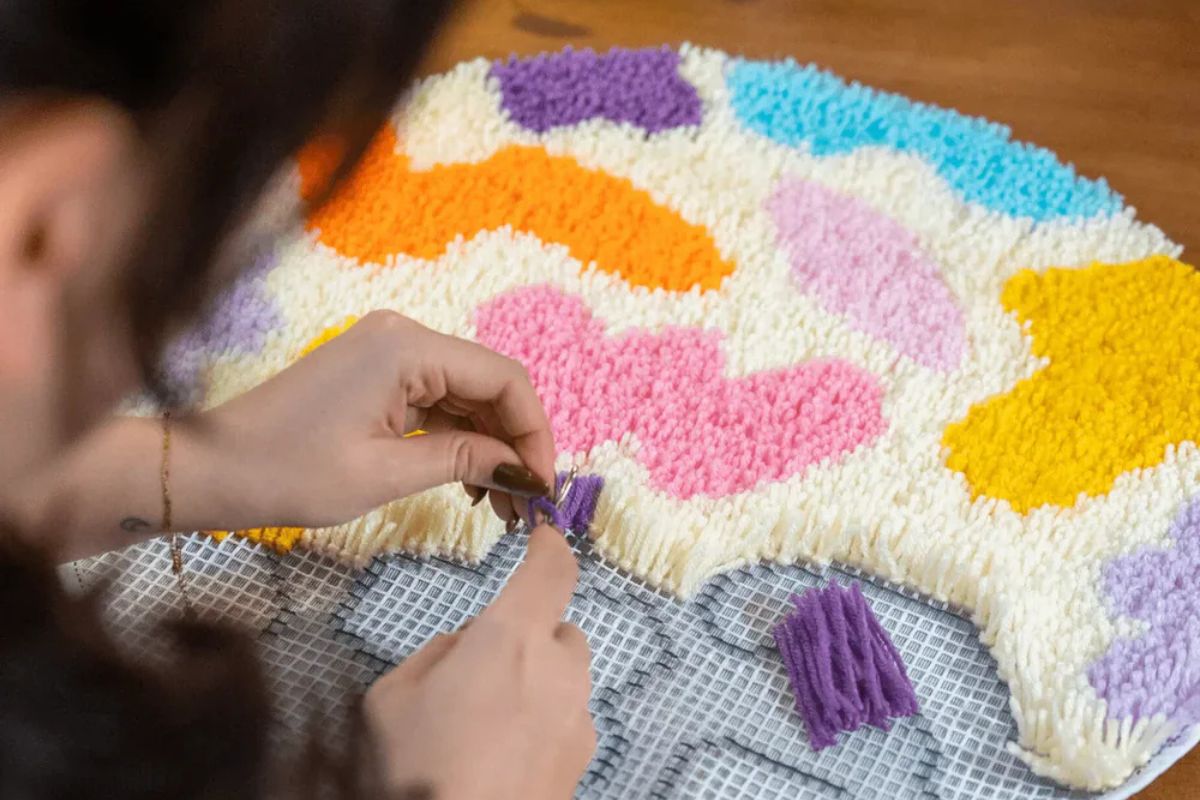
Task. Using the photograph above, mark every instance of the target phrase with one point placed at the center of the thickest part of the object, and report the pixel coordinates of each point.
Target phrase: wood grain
(1112, 85)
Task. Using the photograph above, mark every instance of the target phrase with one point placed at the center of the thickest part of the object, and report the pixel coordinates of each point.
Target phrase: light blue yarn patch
(794, 105)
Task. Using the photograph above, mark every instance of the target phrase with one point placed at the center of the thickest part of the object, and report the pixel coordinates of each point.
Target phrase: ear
(61, 173)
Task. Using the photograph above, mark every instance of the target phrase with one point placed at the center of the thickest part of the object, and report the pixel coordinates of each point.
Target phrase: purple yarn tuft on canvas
(844, 669)
(1158, 671)
(641, 87)
(578, 507)
(237, 322)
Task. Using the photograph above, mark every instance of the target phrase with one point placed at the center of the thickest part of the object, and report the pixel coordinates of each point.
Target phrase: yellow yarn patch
(1123, 342)
(279, 539)
(330, 333)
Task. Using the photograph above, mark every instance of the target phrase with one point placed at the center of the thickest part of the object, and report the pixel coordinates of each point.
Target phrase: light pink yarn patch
(869, 268)
(697, 431)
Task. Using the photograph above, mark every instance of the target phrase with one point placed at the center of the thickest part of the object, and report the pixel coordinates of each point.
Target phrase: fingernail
(510, 526)
(477, 494)
(517, 480)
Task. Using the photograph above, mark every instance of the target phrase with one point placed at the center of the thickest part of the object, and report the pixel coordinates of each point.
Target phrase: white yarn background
(309, 653)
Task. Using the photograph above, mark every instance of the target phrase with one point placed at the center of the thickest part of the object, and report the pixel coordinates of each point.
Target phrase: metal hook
(558, 497)
(560, 492)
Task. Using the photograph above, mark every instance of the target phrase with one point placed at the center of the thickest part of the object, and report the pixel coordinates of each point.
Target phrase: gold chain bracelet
(167, 524)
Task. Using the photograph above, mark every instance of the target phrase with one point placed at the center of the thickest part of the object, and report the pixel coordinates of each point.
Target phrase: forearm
(107, 491)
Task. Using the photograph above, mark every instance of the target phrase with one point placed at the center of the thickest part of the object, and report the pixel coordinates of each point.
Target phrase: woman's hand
(318, 444)
(323, 441)
(497, 710)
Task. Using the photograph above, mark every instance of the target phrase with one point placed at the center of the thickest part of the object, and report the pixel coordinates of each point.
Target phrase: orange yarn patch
(386, 209)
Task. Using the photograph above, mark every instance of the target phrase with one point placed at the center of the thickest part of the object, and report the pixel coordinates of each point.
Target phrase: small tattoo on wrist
(134, 525)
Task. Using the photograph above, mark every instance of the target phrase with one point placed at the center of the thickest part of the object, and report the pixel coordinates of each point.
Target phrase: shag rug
(793, 319)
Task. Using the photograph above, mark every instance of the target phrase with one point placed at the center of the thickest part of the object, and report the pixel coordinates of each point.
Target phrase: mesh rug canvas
(792, 322)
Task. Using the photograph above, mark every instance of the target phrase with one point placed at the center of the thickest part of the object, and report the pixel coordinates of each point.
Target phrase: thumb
(418, 665)
(423, 462)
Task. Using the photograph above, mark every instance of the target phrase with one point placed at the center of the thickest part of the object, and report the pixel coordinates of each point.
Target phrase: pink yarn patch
(698, 432)
(871, 269)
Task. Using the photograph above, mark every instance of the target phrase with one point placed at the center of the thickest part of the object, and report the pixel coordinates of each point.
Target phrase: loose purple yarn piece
(843, 668)
(578, 507)
(641, 87)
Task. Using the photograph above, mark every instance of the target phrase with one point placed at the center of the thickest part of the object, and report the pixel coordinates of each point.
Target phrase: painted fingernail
(510, 526)
(477, 494)
(517, 480)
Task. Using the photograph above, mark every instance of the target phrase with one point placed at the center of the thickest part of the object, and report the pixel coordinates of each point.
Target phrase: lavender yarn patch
(640, 87)
(578, 507)
(843, 668)
(1158, 671)
(238, 321)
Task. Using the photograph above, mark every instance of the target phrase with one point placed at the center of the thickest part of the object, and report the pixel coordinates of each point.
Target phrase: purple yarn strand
(843, 668)
(578, 507)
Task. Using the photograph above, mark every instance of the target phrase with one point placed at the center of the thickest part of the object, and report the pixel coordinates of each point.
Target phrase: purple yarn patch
(844, 669)
(238, 321)
(641, 87)
(578, 507)
(1158, 671)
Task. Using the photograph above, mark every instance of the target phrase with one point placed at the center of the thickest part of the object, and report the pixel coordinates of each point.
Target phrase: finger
(418, 665)
(574, 642)
(577, 750)
(502, 504)
(422, 462)
(476, 493)
(586, 741)
(414, 420)
(474, 373)
(487, 421)
(438, 420)
(539, 590)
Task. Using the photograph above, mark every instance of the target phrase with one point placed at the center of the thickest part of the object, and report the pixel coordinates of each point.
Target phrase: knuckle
(575, 638)
(382, 319)
(389, 324)
(459, 456)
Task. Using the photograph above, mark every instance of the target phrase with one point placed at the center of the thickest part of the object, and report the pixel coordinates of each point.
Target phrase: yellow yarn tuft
(330, 333)
(1123, 341)
(279, 539)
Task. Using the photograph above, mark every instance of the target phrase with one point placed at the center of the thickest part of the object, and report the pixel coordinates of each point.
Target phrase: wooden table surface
(1112, 85)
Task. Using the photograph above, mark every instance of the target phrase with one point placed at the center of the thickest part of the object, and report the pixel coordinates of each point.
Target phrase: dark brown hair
(222, 92)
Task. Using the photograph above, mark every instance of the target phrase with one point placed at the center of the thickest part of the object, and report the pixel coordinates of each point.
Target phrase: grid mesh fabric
(691, 700)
